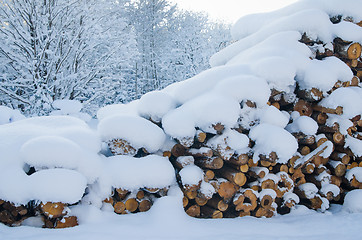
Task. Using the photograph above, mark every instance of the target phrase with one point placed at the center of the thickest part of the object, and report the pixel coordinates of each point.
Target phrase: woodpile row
(53, 215)
(266, 188)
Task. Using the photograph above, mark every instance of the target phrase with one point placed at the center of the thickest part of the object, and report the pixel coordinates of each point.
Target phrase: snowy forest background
(99, 51)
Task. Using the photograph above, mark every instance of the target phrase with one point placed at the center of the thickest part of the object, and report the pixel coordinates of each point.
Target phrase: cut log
(262, 212)
(226, 190)
(209, 175)
(202, 152)
(208, 212)
(144, 205)
(194, 211)
(131, 205)
(184, 161)
(67, 222)
(185, 201)
(245, 201)
(53, 210)
(210, 163)
(178, 150)
(304, 108)
(338, 110)
(233, 176)
(219, 128)
(200, 136)
(218, 203)
(337, 167)
(258, 172)
(122, 193)
(312, 95)
(119, 207)
(304, 139)
(308, 168)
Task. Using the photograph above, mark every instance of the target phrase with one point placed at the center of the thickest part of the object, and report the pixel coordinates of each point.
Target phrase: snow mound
(62, 149)
(353, 201)
(8, 115)
(139, 132)
(131, 173)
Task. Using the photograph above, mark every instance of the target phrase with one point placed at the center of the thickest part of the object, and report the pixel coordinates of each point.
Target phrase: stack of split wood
(53, 215)
(124, 201)
(316, 176)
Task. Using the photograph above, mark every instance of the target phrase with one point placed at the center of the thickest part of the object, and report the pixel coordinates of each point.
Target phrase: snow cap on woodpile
(130, 173)
(62, 150)
(139, 132)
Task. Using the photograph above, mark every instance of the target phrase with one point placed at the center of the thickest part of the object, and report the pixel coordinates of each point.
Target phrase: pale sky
(232, 10)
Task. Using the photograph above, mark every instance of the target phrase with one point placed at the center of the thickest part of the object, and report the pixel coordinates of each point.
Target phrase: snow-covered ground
(167, 220)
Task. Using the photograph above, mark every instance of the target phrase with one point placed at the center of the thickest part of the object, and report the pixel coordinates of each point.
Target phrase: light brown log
(185, 201)
(258, 172)
(312, 95)
(304, 139)
(209, 175)
(194, 211)
(284, 185)
(344, 158)
(152, 190)
(144, 205)
(336, 180)
(320, 118)
(242, 159)
(218, 203)
(266, 201)
(305, 150)
(251, 163)
(280, 168)
(355, 183)
(167, 154)
(140, 195)
(191, 191)
(298, 177)
(244, 168)
(201, 200)
(226, 190)
(122, 193)
(268, 184)
(208, 212)
(186, 141)
(131, 204)
(53, 210)
(67, 222)
(178, 150)
(338, 168)
(262, 212)
(319, 108)
(233, 175)
(202, 152)
(304, 108)
(119, 207)
(308, 168)
(121, 147)
(210, 163)
(184, 161)
(338, 138)
(353, 51)
(219, 128)
(244, 214)
(247, 202)
(200, 136)
(109, 200)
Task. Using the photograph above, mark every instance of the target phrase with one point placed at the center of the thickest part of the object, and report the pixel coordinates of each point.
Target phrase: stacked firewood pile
(54, 215)
(316, 176)
(125, 202)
